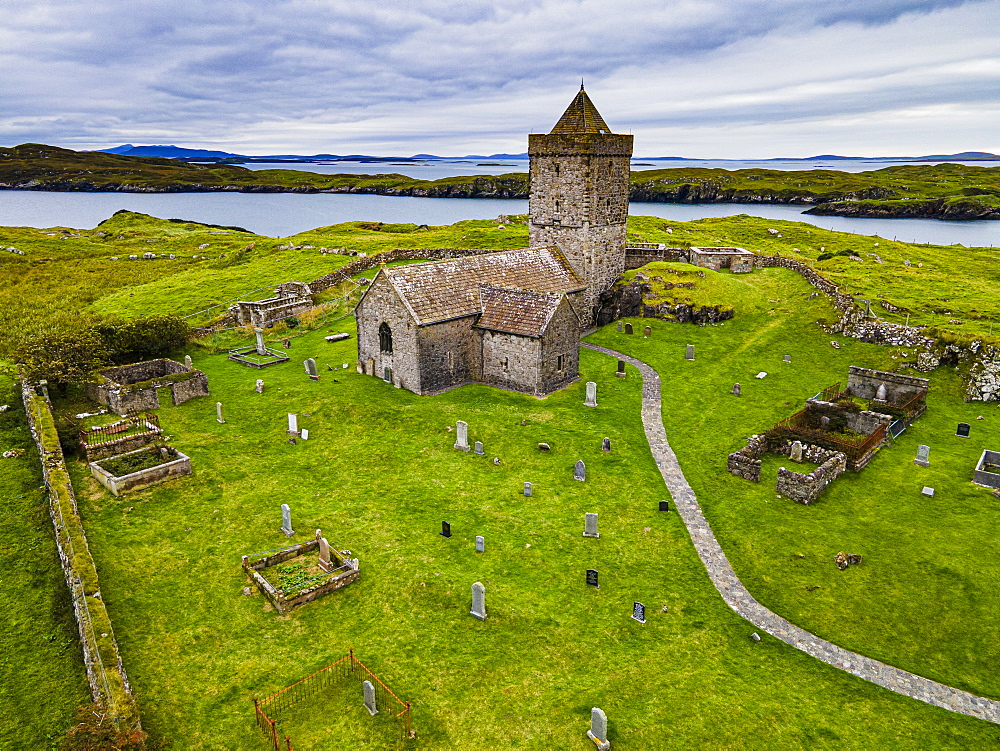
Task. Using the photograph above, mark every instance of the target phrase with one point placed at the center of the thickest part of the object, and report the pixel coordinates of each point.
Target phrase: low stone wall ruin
(134, 388)
(805, 489)
(144, 478)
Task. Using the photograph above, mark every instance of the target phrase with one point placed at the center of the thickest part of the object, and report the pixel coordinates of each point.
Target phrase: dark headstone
(628, 328)
(646, 332)
(664, 505)
(592, 578)
(963, 430)
(286, 343)
(737, 391)
(638, 612)
(445, 529)
(621, 369)
(606, 445)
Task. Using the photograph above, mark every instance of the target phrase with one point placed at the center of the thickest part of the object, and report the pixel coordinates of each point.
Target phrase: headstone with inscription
(478, 601)
(620, 327)
(787, 358)
(628, 328)
(480, 543)
(324, 555)
(446, 529)
(592, 580)
(590, 525)
(478, 449)
(598, 732)
(311, 369)
(689, 353)
(258, 333)
(606, 445)
(591, 400)
(923, 456)
(580, 471)
(462, 435)
(527, 489)
(638, 612)
(369, 690)
(664, 505)
(293, 424)
(304, 434)
(963, 430)
(260, 386)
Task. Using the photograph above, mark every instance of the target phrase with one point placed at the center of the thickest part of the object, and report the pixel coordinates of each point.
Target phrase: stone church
(512, 319)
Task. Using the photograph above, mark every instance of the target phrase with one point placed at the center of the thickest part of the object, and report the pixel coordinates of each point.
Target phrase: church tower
(579, 195)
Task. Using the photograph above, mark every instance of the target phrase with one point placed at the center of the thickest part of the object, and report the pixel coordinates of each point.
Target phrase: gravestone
(286, 343)
(619, 327)
(664, 505)
(311, 369)
(590, 526)
(824, 422)
(527, 489)
(881, 395)
(606, 445)
(737, 391)
(260, 386)
(580, 471)
(544, 447)
(286, 520)
(218, 412)
(370, 698)
(787, 358)
(591, 395)
(304, 434)
(445, 529)
(324, 555)
(598, 732)
(923, 454)
(761, 375)
(293, 424)
(258, 333)
(689, 354)
(755, 636)
(480, 543)
(620, 373)
(638, 612)
(795, 453)
(478, 448)
(646, 332)
(387, 374)
(187, 362)
(462, 435)
(929, 492)
(628, 328)
(478, 601)
(592, 578)
(963, 430)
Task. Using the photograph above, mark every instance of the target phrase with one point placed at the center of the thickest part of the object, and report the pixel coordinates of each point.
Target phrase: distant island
(940, 191)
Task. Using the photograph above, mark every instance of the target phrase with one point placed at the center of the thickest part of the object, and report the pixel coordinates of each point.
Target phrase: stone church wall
(450, 355)
(561, 338)
(510, 361)
(382, 305)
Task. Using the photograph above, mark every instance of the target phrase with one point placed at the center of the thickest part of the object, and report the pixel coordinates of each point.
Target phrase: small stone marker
(527, 489)
(218, 412)
(462, 435)
(787, 358)
(480, 543)
(260, 386)
(606, 445)
(929, 492)
(478, 448)
(598, 732)
(337, 337)
(646, 332)
(762, 374)
(324, 554)
(187, 362)
(293, 424)
(755, 636)
(824, 422)
(544, 447)
(620, 373)
(445, 529)
(963, 430)
(628, 328)
(590, 526)
(311, 371)
(478, 601)
(881, 395)
(737, 391)
(304, 434)
(258, 333)
(580, 471)
(370, 698)
(619, 327)
(795, 453)
(689, 354)
(664, 505)
(592, 578)
(638, 612)
(286, 343)
(591, 395)
(923, 454)
(286, 520)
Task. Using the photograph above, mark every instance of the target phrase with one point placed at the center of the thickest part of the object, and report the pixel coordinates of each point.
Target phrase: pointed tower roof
(581, 117)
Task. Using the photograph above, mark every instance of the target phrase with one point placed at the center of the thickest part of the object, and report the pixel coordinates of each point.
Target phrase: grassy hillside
(951, 191)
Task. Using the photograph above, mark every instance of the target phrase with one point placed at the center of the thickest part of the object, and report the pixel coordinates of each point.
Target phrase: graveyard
(379, 473)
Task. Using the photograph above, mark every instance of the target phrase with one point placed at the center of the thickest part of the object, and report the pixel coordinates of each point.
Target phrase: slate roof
(581, 117)
(444, 290)
(516, 311)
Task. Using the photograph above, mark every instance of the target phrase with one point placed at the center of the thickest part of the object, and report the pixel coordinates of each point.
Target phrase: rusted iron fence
(131, 432)
(855, 449)
(348, 668)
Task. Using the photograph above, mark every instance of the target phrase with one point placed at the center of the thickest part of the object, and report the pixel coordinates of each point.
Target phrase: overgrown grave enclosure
(131, 388)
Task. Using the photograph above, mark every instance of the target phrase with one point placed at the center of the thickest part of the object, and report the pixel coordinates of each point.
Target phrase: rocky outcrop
(940, 209)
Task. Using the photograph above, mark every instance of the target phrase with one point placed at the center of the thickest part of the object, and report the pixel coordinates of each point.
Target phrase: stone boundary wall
(636, 258)
(109, 684)
(805, 489)
(344, 273)
(864, 382)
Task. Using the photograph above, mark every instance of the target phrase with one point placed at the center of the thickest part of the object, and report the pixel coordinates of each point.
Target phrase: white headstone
(527, 489)
(304, 434)
(258, 332)
(187, 362)
(590, 526)
(286, 520)
(480, 544)
(923, 456)
(591, 395)
(881, 395)
(689, 355)
(293, 424)
(598, 732)
(762, 374)
(218, 412)
(260, 386)
(795, 453)
(478, 601)
(324, 555)
(478, 448)
(370, 698)
(462, 435)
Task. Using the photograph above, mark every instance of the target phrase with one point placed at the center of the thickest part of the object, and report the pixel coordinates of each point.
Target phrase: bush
(291, 322)
(144, 338)
(64, 357)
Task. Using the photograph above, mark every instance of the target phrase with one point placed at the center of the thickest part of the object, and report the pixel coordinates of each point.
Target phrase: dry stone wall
(806, 488)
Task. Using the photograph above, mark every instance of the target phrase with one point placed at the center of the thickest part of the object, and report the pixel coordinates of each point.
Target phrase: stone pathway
(739, 598)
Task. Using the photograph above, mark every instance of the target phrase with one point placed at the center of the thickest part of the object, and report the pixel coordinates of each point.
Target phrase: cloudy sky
(695, 78)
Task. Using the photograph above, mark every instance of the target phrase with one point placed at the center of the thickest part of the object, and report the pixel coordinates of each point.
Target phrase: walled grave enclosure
(134, 388)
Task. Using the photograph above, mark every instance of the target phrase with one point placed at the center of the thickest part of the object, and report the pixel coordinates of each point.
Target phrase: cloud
(449, 76)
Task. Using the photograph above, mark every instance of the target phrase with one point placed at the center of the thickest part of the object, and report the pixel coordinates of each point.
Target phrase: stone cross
(591, 395)
(478, 601)
(689, 354)
(598, 732)
(795, 453)
(445, 529)
(187, 362)
(286, 520)
(527, 489)
(621, 369)
(260, 386)
(218, 412)
(462, 436)
(590, 526)
(480, 543)
(963, 430)
(620, 327)
(258, 332)
(606, 445)
(478, 448)
(923, 454)
(293, 424)
(737, 391)
(646, 332)
(370, 698)
(628, 328)
(580, 471)
(324, 555)
(881, 395)
(311, 369)
(592, 578)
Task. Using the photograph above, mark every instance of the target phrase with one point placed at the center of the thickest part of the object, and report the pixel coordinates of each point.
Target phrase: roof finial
(581, 83)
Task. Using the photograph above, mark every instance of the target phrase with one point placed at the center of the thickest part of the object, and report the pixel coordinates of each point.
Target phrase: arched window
(385, 339)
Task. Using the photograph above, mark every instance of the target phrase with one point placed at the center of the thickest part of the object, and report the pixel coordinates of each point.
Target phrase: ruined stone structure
(805, 489)
(291, 298)
(737, 260)
(579, 195)
(133, 388)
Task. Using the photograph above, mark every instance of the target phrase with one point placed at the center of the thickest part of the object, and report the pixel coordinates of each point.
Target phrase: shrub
(144, 338)
(64, 357)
